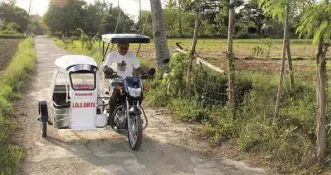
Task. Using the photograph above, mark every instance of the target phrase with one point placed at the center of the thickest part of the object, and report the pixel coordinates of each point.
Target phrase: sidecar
(75, 101)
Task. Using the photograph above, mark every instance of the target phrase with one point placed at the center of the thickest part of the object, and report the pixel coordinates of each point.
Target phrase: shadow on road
(114, 156)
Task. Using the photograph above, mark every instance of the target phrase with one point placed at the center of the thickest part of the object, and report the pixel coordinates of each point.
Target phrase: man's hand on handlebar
(146, 75)
(107, 70)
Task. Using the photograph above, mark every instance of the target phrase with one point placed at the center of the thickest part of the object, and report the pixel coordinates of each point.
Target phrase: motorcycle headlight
(134, 92)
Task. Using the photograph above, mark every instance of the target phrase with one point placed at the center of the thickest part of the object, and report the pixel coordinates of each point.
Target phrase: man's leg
(142, 98)
(115, 93)
(113, 100)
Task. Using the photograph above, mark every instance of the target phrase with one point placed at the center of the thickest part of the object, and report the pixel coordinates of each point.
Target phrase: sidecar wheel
(43, 112)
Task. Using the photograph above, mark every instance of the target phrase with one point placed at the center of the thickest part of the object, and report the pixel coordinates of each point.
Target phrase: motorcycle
(127, 115)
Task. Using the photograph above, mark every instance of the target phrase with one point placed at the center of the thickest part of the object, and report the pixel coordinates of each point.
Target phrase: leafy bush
(242, 35)
(188, 110)
(174, 81)
(10, 30)
(264, 48)
(86, 41)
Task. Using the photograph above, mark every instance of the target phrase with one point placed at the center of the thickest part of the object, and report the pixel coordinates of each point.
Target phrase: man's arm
(140, 70)
(136, 65)
(107, 65)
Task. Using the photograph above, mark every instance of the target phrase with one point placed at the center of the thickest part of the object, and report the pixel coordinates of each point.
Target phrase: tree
(10, 2)
(252, 13)
(280, 10)
(37, 27)
(315, 22)
(180, 19)
(109, 21)
(95, 13)
(65, 16)
(13, 14)
(171, 22)
(145, 15)
(213, 15)
(160, 35)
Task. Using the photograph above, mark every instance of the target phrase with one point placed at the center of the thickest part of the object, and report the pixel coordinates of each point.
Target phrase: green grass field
(213, 50)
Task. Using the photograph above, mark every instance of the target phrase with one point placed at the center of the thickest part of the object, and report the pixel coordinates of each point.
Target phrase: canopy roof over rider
(68, 61)
(125, 38)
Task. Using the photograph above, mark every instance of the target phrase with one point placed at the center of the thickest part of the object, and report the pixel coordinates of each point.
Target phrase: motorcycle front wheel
(135, 131)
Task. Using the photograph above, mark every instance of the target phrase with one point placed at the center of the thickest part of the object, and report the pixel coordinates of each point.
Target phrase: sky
(131, 7)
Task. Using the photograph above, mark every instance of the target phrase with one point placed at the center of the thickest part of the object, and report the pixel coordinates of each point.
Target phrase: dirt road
(168, 147)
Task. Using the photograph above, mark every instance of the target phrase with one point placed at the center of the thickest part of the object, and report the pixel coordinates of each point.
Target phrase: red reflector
(146, 88)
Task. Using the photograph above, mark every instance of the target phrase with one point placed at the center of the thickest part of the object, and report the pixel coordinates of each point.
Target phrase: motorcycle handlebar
(150, 72)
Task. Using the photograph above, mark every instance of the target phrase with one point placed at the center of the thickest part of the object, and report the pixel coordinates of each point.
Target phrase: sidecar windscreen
(83, 80)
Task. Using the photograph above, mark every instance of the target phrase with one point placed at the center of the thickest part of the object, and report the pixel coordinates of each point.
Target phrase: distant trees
(92, 18)
(179, 19)
(65, 16)
(15, 18)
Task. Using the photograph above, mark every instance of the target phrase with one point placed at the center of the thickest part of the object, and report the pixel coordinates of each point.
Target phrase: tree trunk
(230, 59)
(282, 66)
(290, 66)
(289, 57)
(160, 35)
(227, 23)
(180, 19)
(194, 44)
(259, 30)
(321, 122)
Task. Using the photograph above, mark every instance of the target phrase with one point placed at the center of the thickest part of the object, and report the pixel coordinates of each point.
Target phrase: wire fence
(209, 88)
(255, 89)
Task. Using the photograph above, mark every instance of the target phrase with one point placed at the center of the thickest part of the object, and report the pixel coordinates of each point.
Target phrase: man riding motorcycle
(123, 63)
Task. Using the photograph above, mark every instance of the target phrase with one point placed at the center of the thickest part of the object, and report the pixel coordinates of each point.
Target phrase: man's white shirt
(123, 65)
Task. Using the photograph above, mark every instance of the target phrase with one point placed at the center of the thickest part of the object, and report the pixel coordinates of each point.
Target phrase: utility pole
(30, 17)
(119, 15)
(139, 9)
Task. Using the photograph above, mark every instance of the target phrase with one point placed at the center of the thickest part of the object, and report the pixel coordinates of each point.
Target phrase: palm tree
(159, 35)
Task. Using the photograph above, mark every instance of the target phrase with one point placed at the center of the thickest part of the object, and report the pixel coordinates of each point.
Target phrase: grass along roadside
(11, 83)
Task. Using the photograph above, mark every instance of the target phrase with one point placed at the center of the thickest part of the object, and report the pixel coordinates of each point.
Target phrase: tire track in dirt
(168, 146)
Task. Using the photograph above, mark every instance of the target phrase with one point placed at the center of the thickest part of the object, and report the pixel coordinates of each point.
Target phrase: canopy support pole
(142, 32)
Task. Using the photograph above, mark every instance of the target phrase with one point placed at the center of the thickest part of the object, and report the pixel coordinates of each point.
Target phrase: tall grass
(11, 82)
